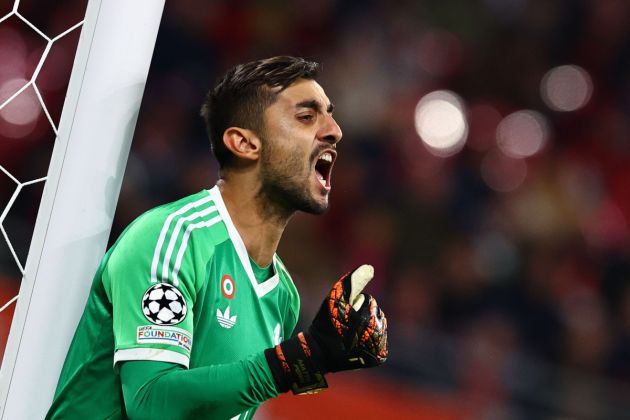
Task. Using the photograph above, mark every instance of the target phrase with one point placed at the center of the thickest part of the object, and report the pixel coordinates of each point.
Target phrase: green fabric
(152, 389)
(191, 248)
(261, 273)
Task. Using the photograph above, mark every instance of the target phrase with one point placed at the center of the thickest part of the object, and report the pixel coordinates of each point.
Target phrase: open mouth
(323, 167)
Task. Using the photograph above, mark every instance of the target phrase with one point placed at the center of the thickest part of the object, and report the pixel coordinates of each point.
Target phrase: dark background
(506, 280)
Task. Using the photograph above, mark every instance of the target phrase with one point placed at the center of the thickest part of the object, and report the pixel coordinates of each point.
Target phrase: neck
(259, 223)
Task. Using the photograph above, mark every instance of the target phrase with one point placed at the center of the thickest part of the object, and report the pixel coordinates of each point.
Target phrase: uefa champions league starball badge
(164, 304)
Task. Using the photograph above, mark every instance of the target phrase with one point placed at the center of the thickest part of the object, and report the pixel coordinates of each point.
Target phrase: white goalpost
(79, 198)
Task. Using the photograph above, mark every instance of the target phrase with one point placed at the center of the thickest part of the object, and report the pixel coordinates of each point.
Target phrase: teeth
(321, 179)
(327, 157)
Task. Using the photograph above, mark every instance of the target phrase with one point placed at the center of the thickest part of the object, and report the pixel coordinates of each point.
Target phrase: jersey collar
(261, 288)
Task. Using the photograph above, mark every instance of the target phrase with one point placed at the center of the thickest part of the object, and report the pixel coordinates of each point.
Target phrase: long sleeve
(151, 389)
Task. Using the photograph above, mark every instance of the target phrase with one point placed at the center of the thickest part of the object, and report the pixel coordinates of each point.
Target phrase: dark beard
(281, 191)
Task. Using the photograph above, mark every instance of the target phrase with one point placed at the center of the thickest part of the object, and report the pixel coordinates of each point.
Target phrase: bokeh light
(441, 123)
(502, 173)
(522, 133)
(18, 117)
(13, 52)
(24, 108)
(566, 88)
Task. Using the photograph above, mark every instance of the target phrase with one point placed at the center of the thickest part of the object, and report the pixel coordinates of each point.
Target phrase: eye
(306, 117)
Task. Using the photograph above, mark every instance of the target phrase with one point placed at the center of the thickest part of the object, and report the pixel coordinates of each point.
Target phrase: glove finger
(358, 301)
(374, 336)
(356, 283)
(336, 310)
(338, 307)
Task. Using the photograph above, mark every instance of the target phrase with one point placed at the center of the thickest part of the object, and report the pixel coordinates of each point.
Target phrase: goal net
(90, 139)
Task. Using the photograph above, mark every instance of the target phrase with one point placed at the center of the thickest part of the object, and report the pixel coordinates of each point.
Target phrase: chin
(290, 196)
(317, 210)
(314, 205)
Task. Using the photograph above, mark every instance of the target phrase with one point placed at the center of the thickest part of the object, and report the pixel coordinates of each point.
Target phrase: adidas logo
(224, 318)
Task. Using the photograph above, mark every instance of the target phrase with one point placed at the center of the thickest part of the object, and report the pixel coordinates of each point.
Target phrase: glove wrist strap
(295, 365)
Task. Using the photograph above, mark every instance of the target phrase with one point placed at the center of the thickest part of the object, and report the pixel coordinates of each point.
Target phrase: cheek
(296, 149)
(291, 148)
(295, 161)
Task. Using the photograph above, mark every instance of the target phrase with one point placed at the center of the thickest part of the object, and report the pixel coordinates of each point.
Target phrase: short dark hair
(241, 96)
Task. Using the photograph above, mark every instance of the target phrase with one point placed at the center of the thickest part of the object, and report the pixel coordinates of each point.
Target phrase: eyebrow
(315, 105)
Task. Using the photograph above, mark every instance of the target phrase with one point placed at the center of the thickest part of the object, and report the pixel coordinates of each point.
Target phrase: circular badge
(227, 286)
(164, 304)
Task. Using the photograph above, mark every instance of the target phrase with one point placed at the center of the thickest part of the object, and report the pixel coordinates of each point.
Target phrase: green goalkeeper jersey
(179, 287)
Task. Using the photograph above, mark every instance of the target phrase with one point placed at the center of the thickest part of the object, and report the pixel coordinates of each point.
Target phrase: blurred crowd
(517, 299)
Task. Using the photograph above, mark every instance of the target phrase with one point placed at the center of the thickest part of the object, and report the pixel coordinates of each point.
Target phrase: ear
(243, 143)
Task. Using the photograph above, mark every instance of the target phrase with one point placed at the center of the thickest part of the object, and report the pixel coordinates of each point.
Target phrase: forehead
(300, 91)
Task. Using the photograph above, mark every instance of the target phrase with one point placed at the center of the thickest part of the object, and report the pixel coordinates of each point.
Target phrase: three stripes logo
(224, 318)
(176, 232)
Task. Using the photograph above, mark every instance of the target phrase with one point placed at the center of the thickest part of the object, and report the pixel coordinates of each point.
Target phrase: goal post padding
(79, 199)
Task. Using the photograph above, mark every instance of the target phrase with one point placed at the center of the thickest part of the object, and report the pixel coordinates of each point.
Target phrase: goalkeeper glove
(348, 332)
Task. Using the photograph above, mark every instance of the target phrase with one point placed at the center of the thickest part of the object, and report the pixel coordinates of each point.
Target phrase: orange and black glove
(348, 332)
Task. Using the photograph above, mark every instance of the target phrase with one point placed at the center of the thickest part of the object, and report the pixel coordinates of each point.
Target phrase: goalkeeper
(191, 312)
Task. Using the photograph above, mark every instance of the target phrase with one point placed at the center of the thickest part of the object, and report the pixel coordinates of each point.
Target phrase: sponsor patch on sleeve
(164, 334)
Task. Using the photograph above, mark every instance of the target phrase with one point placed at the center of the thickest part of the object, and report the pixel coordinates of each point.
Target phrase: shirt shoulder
(170, 242)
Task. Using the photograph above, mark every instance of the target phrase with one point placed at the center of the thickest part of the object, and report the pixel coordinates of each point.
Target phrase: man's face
(298, 148)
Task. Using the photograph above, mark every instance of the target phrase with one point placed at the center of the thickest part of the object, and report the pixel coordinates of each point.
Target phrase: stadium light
(522, 133)
(441, 123)
(566, 88)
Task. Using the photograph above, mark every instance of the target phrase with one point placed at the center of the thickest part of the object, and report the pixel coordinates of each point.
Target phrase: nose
(330, 131)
